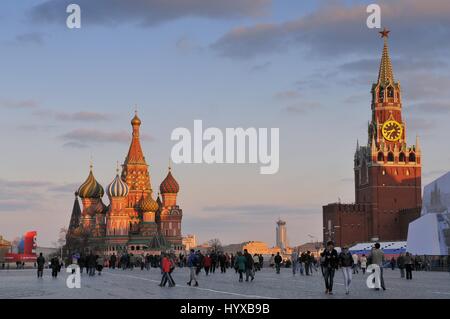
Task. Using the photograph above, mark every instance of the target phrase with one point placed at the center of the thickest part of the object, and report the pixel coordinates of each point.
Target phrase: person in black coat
(278, 261)
(329, 264)
(54, 264)
(248, 266)
(40, 265)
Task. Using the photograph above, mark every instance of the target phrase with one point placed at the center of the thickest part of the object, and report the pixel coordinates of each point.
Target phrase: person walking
(261, 261)
(408, 266)
(249, 271)
(54, 265)
(401, 265)
(240, 262)
(92, 263)
(392, 263)
(99, 264)
(377, 258)
(223, 263)
(207, 264)
(278, 261)
(355, 263)
(346, 262)
(40, 265)
(166, 267)
(363, 261)
(329, 265)
(256, 262)
(272, 261)
(112, 261)
(192, 264)
(294, 260)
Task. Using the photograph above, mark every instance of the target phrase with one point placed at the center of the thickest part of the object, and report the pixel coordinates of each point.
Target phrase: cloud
(147, 13)
(83, 116)
(256, 209)
(18, 104)
(420, 124)
(8, 205)
(302, 107)
(337, 29)
(287, 95)
(260, 67)
(75, 145)
(432, 107)
(30, 38)
(84, 136)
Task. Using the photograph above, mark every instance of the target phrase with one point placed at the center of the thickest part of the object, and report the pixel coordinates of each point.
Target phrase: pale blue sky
(305, 67)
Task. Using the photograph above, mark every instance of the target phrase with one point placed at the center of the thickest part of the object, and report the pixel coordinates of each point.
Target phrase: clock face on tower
(392, 130)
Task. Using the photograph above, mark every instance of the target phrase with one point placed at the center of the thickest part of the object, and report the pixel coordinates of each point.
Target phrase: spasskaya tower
(387, 172)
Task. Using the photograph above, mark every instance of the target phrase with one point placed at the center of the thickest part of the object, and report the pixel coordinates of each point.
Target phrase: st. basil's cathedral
(134, 221)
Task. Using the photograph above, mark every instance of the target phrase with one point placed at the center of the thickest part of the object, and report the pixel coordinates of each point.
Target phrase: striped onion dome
(117, 188)
(149, 204)
(91, 188)
(169, 184)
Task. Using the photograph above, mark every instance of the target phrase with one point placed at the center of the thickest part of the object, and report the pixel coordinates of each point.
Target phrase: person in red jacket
(166, 267)
(207, 261)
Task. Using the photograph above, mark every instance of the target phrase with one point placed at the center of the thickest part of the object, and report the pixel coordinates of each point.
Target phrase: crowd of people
(244, 263)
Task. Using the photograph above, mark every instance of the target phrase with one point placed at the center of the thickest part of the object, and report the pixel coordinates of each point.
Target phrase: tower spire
(135, 154)
(386, 74)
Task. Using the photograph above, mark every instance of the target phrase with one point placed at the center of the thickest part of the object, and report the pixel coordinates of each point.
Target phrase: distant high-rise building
(281, 237)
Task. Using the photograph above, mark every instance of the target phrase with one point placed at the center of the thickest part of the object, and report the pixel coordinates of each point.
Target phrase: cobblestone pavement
(267, 284)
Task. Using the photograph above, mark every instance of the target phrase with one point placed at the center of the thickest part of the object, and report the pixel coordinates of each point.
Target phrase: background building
(189, 242)
(387, 173)
(5, 247)
(281, 235)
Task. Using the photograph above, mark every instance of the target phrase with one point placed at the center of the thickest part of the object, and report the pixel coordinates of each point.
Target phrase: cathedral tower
(387, 170)
(91, 193)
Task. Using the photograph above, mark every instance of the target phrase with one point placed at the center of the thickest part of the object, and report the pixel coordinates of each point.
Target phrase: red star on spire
(384, 33)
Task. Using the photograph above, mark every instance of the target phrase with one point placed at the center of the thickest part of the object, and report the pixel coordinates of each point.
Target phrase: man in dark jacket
(54, 264)
(278, 261)
(401, 265)
(248, 266)
(112, 261)
(40, 264)
(330, 264)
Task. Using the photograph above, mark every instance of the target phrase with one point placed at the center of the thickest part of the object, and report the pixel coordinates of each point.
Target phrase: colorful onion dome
(117, 188)
(149, 204)
(169, 184)
(91, 188)
(136, 120)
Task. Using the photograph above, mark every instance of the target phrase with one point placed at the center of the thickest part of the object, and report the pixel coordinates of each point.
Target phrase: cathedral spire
(76, 215)
(135, 154)
(385, 75)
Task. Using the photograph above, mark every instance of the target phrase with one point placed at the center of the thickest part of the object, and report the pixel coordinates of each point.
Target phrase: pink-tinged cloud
(18, 104)
(88, 136)
(338, 28)
(147, 13)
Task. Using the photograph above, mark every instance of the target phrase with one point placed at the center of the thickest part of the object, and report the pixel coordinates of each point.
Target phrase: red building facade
(387, 172)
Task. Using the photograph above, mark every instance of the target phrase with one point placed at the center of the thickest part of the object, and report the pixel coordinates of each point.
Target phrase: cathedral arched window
(380, 157)
(402, 158)
(390, 91)
(412, 157)
(390, 157)
(381, 95)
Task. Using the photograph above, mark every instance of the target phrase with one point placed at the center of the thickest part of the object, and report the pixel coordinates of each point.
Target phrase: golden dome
(149, 204)
(136, 120)
(91, 188)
